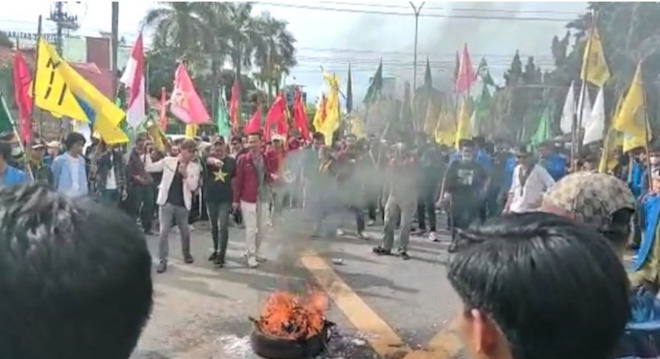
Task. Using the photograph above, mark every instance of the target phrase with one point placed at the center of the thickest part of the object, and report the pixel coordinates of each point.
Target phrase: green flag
(6, 120)
(373, 92)
(428, 80)
(484, 73)
(481, 111)
(349, 91)
(543, 131)
(222, 119)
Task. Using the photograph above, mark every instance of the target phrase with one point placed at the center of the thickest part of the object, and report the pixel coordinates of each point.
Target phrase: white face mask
(654, 160)
(16, 151)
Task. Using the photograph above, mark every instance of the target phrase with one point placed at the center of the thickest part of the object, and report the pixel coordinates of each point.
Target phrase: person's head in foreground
(76, 278)
(598, 200)
(539, 286)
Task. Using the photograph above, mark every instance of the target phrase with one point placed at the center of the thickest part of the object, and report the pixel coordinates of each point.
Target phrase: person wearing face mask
(530, 181)
(465, 185)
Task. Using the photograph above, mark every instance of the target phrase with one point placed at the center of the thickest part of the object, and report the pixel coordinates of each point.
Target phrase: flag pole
(577, 121)
(16, 134)
(646, 128)
(34, 79)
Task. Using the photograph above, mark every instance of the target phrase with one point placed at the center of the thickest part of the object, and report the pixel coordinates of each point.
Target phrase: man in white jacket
(529, 183)
(180, 180)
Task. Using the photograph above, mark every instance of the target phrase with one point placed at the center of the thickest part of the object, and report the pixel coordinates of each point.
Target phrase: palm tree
(182, 25)
(274, 50)
(240, 31)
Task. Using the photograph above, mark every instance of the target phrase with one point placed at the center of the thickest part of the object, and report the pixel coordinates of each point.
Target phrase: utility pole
(115, 43)
(63, 21)
(417, 10)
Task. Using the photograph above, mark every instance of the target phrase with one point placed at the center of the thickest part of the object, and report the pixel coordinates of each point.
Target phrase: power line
(390, 6)
(410, 14)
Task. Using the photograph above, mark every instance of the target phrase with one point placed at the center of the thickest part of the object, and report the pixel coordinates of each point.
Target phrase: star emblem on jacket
(219, 176)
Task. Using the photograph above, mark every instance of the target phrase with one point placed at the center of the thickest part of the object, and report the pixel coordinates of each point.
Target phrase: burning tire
(278, 348)
(291, 326)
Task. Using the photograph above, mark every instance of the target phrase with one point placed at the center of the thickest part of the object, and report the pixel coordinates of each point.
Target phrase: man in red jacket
(254, 173)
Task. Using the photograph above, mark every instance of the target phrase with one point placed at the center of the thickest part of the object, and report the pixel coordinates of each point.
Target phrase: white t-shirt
(528, 197)
(74, 167)
(111, 181)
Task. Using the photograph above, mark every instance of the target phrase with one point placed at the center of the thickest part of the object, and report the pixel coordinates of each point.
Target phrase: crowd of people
(541, 243)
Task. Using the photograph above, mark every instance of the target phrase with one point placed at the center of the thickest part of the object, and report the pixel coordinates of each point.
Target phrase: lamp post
(417, 10)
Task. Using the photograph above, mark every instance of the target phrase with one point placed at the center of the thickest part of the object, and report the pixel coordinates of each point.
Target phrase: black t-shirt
(464, 180)
(175, 194)
(217, 181)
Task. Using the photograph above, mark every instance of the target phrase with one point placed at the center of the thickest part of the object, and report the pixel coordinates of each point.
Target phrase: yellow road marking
(443, 345)
(385, 341)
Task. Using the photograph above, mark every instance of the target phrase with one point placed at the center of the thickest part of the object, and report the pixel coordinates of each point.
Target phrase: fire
(289, 316)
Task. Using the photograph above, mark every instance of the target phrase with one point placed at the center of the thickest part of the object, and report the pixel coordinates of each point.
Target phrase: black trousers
(219, 218)
(142, 200)
(462, 216)
(426, 207)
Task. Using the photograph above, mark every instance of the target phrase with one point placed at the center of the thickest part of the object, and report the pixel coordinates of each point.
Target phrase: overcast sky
(363, 32)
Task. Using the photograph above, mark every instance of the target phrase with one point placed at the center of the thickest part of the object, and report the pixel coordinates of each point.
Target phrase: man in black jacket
(219, 170)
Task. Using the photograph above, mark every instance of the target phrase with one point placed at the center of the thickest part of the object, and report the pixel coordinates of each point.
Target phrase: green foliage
(629, 35)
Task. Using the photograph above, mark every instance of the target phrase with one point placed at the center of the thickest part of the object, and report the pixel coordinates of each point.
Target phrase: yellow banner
(107, 115)
(51, 92)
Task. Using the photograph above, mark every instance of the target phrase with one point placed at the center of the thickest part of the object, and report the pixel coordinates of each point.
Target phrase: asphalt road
(384, 307)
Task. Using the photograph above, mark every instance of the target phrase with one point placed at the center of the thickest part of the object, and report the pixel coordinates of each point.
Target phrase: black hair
(72, 139)
(318, 136)
(5, 150)
(238, 139)
(466, 143)
(76, 278)
(554, 287)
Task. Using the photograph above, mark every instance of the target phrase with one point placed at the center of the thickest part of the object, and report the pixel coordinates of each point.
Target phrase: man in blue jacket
(69, 169)
(9, 175)
(553, 162)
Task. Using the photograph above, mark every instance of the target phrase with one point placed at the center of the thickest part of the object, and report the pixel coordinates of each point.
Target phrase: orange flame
(289, 316)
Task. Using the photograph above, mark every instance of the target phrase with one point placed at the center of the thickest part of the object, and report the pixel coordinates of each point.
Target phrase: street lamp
(417, 10)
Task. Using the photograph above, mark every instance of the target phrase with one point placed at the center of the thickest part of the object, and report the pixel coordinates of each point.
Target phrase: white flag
(133, 79)
(568, 113)
(586, 109)
(594, 130)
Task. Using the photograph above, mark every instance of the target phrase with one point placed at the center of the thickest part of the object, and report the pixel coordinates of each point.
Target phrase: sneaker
(188, 259)
(219, 263)
(260, 259)
(433, 237)
(371, 223)
(453, 247)
(404, 254)
(162, 267)
(251, 262)
(213, 256)
(340, 232)
(382, 251)
(191, 228)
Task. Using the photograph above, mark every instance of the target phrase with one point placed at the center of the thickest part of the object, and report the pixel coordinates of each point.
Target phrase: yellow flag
(445, 130)
(357, 128)
(594, 65)
(96, 108)
(191, 131)
(464, 127)
(631, 119)
(156, 135)
(608, 160)
(319, 116)
(331, 122)
(431, 120)
(51, 92)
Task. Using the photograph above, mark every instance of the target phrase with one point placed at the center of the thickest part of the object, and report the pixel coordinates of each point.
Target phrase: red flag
(300, 120)
(466, 74)
(133, 79)
(23, 101)
(235, 106)
(277, 116)
(254, 125)
(162, 118)
(185, 102)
